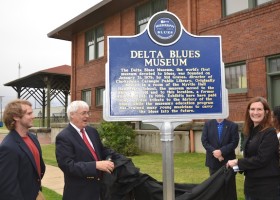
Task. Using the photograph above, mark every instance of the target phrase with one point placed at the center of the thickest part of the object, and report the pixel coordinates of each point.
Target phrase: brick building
(250, 44)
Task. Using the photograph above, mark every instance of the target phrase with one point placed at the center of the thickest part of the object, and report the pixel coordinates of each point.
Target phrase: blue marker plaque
(164, 73)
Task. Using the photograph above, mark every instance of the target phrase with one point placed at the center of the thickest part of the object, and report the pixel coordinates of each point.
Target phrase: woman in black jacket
(261, 157)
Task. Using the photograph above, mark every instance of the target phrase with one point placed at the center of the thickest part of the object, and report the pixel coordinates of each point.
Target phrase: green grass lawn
(188, 167)
(50, 194)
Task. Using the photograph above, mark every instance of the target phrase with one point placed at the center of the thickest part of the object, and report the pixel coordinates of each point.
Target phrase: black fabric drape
(128, 183)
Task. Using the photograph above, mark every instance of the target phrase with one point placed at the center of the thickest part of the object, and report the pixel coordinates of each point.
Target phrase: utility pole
(1, 121)
(19, 67)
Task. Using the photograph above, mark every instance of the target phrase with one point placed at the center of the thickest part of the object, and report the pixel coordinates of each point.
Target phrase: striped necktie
(88, 145)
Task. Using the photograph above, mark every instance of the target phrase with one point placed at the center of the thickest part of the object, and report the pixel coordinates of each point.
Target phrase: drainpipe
(189, 12)
(189, 27)
(191, 141)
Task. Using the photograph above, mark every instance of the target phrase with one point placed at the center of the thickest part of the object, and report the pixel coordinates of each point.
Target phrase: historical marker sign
(164, 73)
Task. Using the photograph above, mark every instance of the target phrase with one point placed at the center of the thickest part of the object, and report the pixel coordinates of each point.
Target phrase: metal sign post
(165, 76)
(167, 136)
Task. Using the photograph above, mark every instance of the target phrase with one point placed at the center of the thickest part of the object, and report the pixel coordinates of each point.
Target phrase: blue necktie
(220, 130)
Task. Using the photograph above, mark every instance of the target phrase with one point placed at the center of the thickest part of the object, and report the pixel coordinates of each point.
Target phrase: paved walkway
(53, 179)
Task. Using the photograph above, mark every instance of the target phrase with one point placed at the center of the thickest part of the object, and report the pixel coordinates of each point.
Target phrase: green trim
(269, 76)
(237, 90)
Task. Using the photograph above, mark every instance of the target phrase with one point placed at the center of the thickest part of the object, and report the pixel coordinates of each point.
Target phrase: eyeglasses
(85, 113)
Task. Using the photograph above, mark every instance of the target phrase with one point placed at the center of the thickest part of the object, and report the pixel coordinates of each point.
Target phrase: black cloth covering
(128, 183)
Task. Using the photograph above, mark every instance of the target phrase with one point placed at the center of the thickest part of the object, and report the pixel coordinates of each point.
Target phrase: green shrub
(119, 136)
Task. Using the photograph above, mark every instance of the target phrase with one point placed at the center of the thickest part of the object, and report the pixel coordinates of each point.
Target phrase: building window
(236, 79)
(94, 43)
(86, 96)
(273, 79)
(145, 11)
(259, 2)
(274, 65)
(99, 96)
(233, 6)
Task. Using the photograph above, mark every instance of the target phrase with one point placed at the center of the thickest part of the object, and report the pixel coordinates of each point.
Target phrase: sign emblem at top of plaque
(164, 29)
(164, 73)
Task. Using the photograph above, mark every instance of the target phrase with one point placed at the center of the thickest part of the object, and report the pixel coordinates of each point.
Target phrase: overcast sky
(24, 26)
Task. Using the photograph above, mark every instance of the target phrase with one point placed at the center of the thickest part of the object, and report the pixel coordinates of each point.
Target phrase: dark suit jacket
(261, 164)
(261, 156)
(19, 178)
(210, 141)
(82, 179)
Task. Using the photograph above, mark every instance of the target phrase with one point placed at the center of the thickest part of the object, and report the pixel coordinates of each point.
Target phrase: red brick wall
(248, 36)
(181, 13)
(245, 37)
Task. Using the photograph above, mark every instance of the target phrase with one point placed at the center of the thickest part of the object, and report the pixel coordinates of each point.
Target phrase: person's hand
(217, 153)
(105, 165)
(221, 158)
(232, 163)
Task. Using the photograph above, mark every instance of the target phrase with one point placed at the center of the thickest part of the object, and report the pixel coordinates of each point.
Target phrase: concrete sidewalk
(53, 179)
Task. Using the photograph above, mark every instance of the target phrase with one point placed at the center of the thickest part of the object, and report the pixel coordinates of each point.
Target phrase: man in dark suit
(21, 163)
(81, 155)
(220, 138)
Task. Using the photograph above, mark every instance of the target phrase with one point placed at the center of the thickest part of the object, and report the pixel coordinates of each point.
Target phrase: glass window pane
(238, 77)
(142, 27)
(233, 6)
(90, 53)
(99, 32)
(274, 65)
(86, 96)
(99, 96)
(143, 15)
(243, 77)
(235, 76)
(100, 38)
(228, 81)
(90, 45)
(144, 12)
(95, 43)
(234, 81)
(100, 42)
(244, 70)
(159, 5)
(262, 1)
(100, 49)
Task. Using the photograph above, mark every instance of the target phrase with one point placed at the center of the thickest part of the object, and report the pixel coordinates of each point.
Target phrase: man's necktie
(220, 131)
(88, 145)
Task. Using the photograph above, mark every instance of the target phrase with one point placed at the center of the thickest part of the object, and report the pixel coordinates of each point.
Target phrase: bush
(119, 136)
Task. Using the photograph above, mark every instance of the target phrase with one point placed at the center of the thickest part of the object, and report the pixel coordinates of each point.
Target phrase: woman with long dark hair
(261, 153)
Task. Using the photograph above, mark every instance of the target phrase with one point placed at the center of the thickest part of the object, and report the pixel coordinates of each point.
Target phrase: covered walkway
(44, 86)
